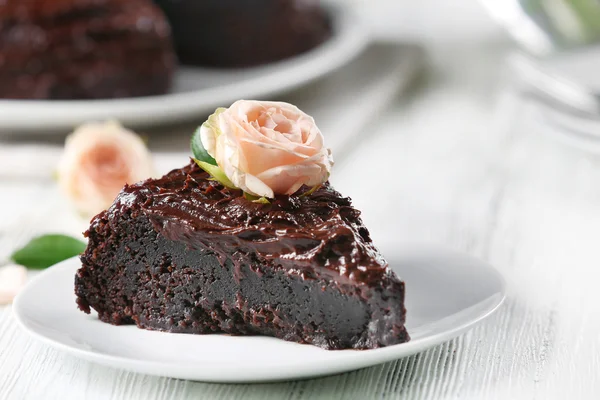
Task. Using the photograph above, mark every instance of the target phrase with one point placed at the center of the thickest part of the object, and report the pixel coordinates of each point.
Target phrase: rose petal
(241, 129)
(283, 178)
(12, 279)
(208, 138)
(245, 110)
(262, 157)
(286, 184)
(253, 185)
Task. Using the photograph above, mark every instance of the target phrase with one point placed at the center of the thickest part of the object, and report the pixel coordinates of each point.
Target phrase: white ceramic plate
(197, 91)
(446, 295)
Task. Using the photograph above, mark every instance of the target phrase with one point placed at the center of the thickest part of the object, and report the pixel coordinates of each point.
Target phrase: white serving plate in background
(197, 91)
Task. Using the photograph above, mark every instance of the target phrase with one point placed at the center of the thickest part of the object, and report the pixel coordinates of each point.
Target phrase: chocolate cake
(84, 49)
(185, 254)
(240, 33)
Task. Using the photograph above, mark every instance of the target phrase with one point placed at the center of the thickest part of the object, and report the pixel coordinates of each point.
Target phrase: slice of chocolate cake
(185, 254)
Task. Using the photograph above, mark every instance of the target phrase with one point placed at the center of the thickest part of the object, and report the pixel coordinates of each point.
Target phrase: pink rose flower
(12, 279)
(267, 148)
(99, 159)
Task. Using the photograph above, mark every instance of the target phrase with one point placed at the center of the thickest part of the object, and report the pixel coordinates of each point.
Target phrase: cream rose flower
(12, 279)
(99, 159)
(267, 148)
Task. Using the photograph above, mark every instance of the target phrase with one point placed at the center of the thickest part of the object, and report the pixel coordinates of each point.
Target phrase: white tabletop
(458, 163)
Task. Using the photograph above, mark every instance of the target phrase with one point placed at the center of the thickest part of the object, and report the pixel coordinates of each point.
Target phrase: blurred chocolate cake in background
(84, 49)
(241, 33)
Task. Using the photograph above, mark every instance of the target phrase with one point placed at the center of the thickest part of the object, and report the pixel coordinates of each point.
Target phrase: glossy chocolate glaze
(314, 236)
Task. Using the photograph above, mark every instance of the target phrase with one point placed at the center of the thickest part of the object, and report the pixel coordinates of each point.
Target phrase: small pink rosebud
(267, 148)
(99, 159)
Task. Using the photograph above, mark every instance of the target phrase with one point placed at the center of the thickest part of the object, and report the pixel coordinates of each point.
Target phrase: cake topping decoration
(263, 148)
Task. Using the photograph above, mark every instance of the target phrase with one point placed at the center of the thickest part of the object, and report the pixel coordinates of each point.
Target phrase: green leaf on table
(47, 250)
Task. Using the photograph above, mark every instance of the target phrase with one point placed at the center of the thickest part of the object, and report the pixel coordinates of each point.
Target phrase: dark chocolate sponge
(184, 254)
(241, 33)
(84, 49)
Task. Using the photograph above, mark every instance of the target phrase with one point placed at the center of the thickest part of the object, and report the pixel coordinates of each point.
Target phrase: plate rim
(359, 359)
(350, 37)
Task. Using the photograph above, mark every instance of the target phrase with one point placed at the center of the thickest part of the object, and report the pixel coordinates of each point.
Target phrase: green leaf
(44, 251)
(217, 174)
(311, 191)
(256, 199)
(199, 151)
(197, 146)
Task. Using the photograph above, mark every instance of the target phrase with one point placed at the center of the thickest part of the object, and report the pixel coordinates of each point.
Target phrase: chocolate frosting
(315, 235)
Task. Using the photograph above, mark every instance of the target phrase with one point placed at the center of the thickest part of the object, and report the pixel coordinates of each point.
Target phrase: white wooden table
(460, 164)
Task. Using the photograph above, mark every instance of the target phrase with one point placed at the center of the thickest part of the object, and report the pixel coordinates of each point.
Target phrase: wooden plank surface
(464, 165)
